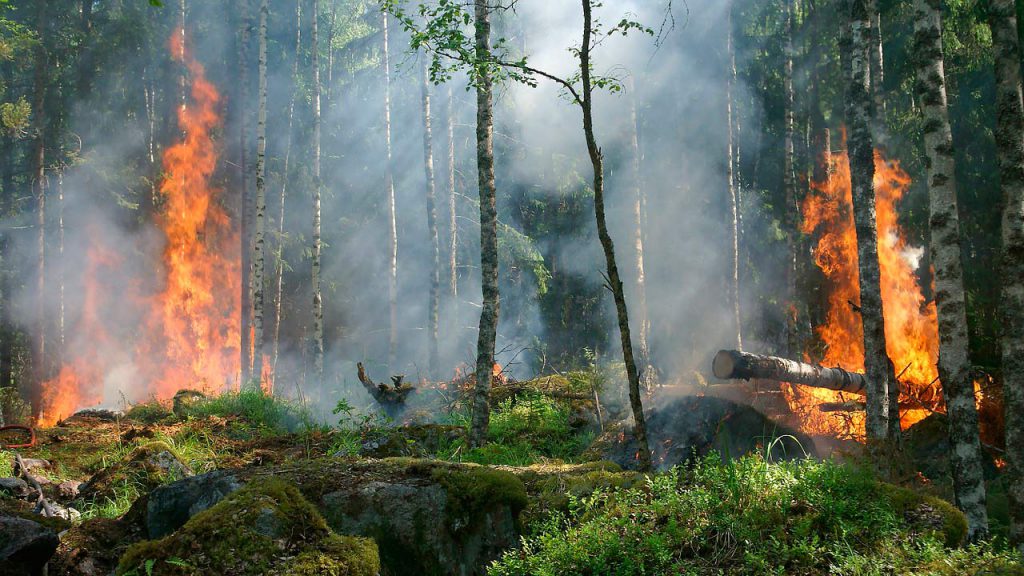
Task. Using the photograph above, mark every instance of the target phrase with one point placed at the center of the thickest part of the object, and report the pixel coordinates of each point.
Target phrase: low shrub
(261, 411)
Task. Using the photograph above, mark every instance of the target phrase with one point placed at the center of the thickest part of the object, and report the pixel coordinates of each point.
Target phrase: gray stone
(25, 546)
(14, 487)
(171, 505)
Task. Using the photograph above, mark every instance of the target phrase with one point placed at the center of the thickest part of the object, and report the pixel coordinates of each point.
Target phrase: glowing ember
(190, 330)
(911, 327)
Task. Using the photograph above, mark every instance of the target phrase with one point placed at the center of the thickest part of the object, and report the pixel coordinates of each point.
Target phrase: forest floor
(244, 484)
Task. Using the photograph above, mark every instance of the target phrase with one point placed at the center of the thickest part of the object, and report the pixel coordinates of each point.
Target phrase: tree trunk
(85, 59)
(731, 169)
(39, 184)
(879, 369)
(791, 210)
(954, 364)
(435, 265)
(279, 256)
(453, 230)
(638, 242)
(596, 160)
(389, 189)
(259, 245)
(876, 62)
(318, 303)
(1010, 147)
(60, 266)
(491, 305)
(733, 364)
(245, 232)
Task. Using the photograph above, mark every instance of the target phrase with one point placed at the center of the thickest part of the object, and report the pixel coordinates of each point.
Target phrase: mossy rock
(411, 441)
(267, 527)
(150, 412)
(23, 509)
(924, 513)
(147, 467)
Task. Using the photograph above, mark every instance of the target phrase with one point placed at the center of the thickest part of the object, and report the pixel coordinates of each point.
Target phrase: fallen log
(733, 364)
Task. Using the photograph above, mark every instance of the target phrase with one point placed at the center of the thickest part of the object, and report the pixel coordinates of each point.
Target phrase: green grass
(530, 429)
(262, 412)
(6, 464)
(749, 517)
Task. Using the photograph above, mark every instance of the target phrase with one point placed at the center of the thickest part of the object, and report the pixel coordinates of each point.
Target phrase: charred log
(733, 364)
(391, 398)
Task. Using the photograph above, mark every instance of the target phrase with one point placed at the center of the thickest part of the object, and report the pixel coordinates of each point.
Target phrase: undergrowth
(748, 516)
(263, 412)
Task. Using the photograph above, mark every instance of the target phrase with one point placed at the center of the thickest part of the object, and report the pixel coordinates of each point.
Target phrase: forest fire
(911, 326)
(189, 332)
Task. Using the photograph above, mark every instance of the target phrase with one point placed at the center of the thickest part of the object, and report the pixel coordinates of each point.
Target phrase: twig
(41, 501)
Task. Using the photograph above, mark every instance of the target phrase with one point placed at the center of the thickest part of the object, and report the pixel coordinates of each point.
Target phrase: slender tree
(259, 245)
(389, 190)
(1010, 147)
(638, 241)
(951, 303)
(877, 365)
(246, 216)
(490, 307)
(279, 255)
(730, 170)
(39, 182)
(318, 302)
(791, 210)
(876, 61)
(435, 265)
(453, 224)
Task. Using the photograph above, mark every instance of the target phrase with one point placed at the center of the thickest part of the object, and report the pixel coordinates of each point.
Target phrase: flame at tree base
(911, 325)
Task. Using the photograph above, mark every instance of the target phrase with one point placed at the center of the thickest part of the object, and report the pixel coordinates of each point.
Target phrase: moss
(337, 556)
(927, 513)
(473, 489)
(248, 533)
(551, 487)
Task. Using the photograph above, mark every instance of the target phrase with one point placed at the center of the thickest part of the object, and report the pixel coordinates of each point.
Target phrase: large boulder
(685, 427)
(427, 517)
(266, 527)
(25, 546)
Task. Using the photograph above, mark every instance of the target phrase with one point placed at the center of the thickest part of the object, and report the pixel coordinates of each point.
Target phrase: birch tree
(643, 321)
(318, 302)
(259, 246)
(878, 367)
(279, 255)
(389, 191)
(731, 179)
(246, 214)
(453, 223)
(791, 209)
(435, 248)
(1010, 147)
(951, 303)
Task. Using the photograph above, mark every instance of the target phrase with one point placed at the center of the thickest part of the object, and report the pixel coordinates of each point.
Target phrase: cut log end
(724, 364)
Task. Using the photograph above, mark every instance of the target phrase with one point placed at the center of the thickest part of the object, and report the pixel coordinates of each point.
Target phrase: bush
(15, 410)
(746, 517)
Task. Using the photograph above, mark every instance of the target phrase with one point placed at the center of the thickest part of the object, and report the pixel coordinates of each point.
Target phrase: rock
(169, 507)
(14, 487)
(693, 426)
(66, 513)
(427, 517)
(267, 527)
(31, 464)
(149, 466)
(69, 489)
(25, 546)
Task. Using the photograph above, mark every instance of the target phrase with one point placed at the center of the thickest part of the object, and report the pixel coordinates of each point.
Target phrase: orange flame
(911, 326)
(190, 331)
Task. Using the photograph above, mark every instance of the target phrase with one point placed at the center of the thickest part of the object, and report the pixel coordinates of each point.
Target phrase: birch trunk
(1010, 147)
(318, 302)
(596, 160)
(389, 188)
(491, 305)
(638, 243)
(731, 167)
(259, 246)
(243, 150)
(876, 62)
(878, 367)
(791, 209)
(39, 184)
(279, 255)
(954, 364)
(435, 265)
(453, 230)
